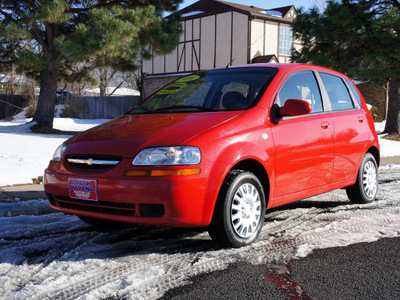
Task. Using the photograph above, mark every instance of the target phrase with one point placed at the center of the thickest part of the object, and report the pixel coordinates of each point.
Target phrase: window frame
(356, 100)
(317, 82)
(283, 50)
(349, 91)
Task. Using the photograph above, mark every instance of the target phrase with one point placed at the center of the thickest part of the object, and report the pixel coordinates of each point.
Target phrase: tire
(239, 214)
(366, 186)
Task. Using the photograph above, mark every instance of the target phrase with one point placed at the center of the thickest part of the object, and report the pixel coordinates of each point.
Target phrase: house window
(285, 40)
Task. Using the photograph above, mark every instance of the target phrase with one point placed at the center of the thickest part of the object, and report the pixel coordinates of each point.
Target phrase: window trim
(281, 40)
(352, 97)
(318, 86)
(326, 103)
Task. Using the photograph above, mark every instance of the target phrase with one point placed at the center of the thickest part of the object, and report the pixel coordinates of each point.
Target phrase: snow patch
(274, 13)
(25, 155)
(192, 13)
(56, 256)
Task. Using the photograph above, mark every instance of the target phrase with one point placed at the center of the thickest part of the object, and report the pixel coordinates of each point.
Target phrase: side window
(337, 92)
(302, 85)
(355, 91)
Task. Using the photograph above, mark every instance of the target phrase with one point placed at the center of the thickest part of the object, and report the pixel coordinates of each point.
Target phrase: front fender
(230, 157)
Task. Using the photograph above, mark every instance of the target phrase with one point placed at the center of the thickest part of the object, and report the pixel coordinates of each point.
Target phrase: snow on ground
(119, 92)
(56, 256)
(388, 147)
(25, 155)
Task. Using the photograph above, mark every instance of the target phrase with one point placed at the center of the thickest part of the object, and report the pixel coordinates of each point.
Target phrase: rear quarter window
(355, 91)
(338, 93)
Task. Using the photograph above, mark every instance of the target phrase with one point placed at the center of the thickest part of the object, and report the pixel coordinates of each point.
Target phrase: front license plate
(82, 189)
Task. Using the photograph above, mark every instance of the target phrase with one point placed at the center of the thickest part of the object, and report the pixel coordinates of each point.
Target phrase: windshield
(216, 90)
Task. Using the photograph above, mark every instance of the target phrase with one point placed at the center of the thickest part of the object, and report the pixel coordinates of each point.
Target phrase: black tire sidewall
(356, 192)
(368, 157)
(234, 239)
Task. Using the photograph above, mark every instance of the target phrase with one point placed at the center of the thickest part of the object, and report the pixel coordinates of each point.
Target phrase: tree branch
(117, 87)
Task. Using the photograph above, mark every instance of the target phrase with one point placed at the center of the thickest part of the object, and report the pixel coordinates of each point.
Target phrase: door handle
(360, 119)
(325, 125)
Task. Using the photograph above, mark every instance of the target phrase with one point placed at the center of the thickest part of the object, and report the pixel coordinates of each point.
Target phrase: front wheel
(239, 213)
(366, 186)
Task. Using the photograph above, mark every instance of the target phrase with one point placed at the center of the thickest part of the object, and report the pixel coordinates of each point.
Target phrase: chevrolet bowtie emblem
(89, 162)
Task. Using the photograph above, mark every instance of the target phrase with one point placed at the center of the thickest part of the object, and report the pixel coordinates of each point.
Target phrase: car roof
(283, 67)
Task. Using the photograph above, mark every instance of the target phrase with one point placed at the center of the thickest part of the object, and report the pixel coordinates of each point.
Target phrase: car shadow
(309, 204)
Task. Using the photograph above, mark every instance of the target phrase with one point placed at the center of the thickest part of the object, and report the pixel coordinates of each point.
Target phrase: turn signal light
(53, 166)
(178, 172)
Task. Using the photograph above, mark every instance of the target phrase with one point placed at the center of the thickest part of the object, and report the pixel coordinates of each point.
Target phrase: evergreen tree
(359, 38)
(50, 38)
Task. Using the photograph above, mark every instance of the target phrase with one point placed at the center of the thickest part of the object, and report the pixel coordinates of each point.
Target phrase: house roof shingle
(210, 7)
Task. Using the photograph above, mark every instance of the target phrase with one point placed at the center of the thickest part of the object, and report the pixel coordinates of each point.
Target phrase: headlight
(168, 156)
(59, 152)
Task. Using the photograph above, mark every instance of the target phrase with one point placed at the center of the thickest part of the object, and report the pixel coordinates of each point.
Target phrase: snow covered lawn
(25, 155)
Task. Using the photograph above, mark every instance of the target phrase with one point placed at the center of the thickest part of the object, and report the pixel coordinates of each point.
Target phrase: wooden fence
(11, 104)
(107, 107)
(92, 107)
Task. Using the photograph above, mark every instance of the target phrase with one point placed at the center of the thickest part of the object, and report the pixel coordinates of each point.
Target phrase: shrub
(32, 105)
(376, 114)
(74, 108)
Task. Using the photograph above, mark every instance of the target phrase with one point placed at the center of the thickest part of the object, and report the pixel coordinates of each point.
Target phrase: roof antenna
(230, 63)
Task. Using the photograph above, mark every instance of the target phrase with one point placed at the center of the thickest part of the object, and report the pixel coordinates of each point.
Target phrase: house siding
(220, 36)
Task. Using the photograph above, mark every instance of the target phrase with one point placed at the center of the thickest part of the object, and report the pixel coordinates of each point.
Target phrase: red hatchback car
(217, 148)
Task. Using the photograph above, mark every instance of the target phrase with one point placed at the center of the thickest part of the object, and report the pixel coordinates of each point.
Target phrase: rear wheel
(239, 213)
(366, 186)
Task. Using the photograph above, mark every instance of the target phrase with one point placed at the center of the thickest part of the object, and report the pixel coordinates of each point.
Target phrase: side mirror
(292, 108)
(295, 107)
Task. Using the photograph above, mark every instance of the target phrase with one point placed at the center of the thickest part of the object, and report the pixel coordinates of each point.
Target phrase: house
(217, 33)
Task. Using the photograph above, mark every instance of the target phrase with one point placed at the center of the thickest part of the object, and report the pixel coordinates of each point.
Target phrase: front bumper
(181, 201)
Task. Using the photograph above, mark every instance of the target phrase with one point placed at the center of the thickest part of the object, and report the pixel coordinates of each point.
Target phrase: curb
(22, 192)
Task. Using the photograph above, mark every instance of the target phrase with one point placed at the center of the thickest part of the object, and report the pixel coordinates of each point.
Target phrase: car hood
(126, 135)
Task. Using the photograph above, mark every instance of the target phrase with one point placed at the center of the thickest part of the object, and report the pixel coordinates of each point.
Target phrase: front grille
(93, 162)
(104, 207)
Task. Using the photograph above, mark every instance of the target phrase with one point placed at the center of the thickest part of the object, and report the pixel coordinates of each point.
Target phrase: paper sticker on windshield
(172, 88)
(188, 78)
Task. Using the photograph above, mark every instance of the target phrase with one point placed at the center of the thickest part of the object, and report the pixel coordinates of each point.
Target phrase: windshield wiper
(136, 110)
(184, 107)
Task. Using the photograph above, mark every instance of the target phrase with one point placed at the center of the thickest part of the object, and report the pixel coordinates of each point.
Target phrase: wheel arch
(218, 229)
(259, 171)
(375, 152)
(253, 166)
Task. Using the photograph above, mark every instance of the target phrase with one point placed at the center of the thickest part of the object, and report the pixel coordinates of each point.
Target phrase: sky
(268, 4)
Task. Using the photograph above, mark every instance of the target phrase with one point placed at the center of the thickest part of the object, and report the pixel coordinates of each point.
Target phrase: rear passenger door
(304, 146)
(351, 127)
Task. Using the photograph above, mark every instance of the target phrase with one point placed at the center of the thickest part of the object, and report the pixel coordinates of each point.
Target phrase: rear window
(216, 90)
